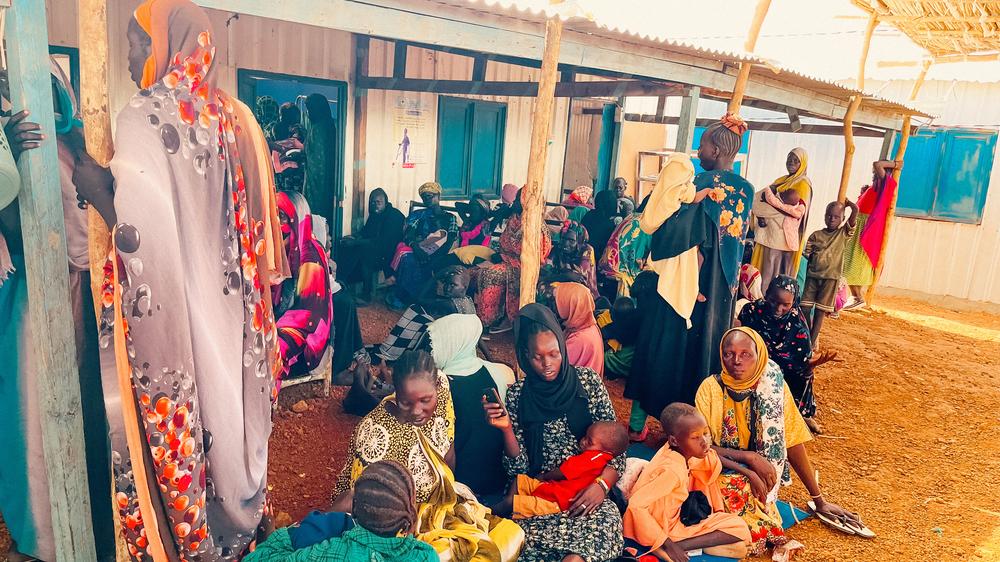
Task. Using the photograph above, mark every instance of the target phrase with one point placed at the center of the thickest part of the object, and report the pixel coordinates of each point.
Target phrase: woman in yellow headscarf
(796, 180)
(758, 433)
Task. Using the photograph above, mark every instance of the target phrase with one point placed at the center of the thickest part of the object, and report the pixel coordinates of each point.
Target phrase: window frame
(468, 148)
(933, 209)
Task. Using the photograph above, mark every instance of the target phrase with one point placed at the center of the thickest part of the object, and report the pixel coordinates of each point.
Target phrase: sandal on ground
(842, 524)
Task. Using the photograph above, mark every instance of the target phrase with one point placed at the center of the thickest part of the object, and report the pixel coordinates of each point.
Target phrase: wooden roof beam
(777, 127)
(600, 89)
(522, 39)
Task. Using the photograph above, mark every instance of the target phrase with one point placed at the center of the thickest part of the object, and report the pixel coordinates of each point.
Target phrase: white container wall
(401, 184)
(946, 258)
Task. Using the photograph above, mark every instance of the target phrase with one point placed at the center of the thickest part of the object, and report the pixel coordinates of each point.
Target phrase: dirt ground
(910, 440)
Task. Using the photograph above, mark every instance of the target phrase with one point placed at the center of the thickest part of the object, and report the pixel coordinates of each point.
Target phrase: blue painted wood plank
(49, 306)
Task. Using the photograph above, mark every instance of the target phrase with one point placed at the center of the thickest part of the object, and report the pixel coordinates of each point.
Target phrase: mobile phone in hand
(491, 395)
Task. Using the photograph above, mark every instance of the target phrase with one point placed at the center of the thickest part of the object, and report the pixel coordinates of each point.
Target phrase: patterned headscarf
(785, 283)
(432, 187)
(734, 123)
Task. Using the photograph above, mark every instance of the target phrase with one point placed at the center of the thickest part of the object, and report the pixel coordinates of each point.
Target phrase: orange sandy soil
(910, 419)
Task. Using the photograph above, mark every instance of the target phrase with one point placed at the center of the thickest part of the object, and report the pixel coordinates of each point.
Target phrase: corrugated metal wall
(583, 142)
(245, 42)
(945, 258)
(401, 184)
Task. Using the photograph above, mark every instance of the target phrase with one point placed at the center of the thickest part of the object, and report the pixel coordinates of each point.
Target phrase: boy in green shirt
(825, 252)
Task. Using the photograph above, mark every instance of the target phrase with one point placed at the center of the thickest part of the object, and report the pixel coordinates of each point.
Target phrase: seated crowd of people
(221, 282)
(535, 469)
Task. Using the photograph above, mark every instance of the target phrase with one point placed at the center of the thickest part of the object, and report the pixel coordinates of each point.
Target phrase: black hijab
(543, 401)
(387, 226)
(599, 221)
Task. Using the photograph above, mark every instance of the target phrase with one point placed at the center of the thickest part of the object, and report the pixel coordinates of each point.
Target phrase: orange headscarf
(172, 26)
(734, 123)
(575, 306)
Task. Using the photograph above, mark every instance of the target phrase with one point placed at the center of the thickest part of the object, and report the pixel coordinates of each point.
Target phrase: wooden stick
(845, 172)
(95, 111)
(52, 344)
(531, 197)
(744, 76)
(94, 108)
(920, 80)
(904, 138)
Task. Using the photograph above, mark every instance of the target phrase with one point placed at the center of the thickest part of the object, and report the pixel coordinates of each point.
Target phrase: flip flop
(844, 526)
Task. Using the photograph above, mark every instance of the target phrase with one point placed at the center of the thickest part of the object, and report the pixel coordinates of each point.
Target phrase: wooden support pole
(479, 68)
(602, 88)
(794, 122)
(920, 80)
(904, 139)
(687, 120)
(883, 152)
(661, 106)
(532, 197)
(52, 344)
(744, 76)
(845, 172)
(361, 46)
(96, 114)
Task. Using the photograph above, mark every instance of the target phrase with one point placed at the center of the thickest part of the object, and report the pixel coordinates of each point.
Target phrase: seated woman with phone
(478, 447)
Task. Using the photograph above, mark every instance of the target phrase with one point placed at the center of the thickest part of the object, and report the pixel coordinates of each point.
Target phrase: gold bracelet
(600, 481)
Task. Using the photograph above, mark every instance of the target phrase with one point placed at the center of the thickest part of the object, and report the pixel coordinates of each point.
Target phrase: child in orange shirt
(553, 491)
(676, 504)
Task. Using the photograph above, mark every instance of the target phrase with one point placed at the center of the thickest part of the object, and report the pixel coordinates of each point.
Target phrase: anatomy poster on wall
(409, 132)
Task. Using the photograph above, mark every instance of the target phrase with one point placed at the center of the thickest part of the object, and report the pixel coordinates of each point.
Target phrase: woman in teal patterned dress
(673, 355)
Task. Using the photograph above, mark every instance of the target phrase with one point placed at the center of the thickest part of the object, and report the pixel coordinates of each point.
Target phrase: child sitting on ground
(676, 505)
(554, 491)
(825, 251)
(384, 511)
(620, 330)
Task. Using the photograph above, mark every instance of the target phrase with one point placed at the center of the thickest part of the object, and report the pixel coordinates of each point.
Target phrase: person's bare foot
(573, 558)
(505, 507)
(814, 426)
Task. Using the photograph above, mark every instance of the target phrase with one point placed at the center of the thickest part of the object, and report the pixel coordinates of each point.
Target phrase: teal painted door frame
(604, 153)
(246, 91)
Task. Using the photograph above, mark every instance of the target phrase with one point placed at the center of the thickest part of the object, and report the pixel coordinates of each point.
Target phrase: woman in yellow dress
(759, 434)
(416, 427)
(797, 179)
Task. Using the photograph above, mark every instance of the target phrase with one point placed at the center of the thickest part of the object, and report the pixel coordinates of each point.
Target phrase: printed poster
(410, 133)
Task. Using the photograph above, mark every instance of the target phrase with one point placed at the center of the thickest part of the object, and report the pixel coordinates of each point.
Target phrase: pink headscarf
(584, 345)
(508, 192)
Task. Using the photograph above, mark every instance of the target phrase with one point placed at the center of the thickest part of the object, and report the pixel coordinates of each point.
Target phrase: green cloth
(321, 164)
(637, 418)
(356, 545)
(825, 251)
(577, 213)
(619, 362)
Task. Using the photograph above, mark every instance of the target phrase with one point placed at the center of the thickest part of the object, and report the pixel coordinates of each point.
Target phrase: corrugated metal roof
(576, 20)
